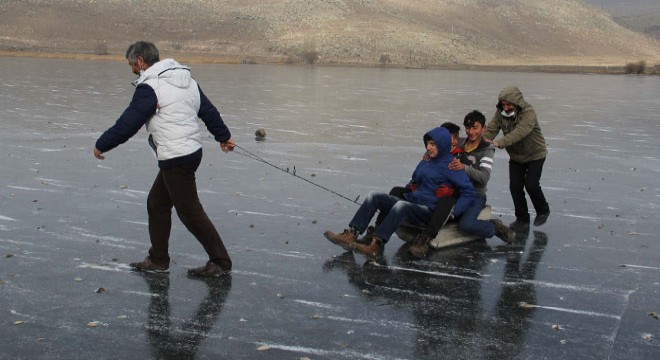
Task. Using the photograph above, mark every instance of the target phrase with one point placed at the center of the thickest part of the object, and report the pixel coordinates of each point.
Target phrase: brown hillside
(648, 23)
(408, 33)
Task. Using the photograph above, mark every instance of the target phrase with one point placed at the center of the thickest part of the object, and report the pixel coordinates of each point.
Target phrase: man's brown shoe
(420, 247)
(149, 266)
(346, 239)
(502, 231)
(366, 239)
(208, 270)
(373, 250)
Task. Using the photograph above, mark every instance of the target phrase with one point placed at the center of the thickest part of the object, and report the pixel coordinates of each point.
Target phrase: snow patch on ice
(239, 213)
(117, 267)
(33, 189)
(332, 354)
(575, 311)
(319, 305)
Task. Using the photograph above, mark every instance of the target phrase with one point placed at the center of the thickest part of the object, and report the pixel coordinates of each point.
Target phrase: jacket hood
(513, 95)
(168, 70)
(442, 139)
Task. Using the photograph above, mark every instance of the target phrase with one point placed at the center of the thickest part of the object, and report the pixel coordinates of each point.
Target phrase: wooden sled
(448, 236)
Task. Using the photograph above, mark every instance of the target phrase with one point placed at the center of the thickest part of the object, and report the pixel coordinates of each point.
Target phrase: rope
(253, 156)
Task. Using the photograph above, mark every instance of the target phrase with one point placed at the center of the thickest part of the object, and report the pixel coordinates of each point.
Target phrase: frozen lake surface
(583, 286)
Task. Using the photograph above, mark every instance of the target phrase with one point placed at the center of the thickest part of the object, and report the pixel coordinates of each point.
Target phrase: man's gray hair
(146, 50)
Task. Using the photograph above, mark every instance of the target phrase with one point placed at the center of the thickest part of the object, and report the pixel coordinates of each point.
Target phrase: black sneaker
(520, 225)
(541, 218)
(149, 266)
(208, 270)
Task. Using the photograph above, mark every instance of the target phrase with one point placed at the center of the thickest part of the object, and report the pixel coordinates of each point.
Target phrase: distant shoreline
(225, 59)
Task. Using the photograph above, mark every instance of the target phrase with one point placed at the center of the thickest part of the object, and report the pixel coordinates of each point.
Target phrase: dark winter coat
(432, 178)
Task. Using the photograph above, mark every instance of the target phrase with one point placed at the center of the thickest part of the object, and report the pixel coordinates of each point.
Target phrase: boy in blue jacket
(430, 181)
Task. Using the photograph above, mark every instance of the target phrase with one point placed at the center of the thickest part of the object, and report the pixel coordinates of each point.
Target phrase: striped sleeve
(479, 173)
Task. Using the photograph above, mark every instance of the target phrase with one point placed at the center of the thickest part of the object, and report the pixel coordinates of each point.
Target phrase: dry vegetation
(421, 33)
(648, 23)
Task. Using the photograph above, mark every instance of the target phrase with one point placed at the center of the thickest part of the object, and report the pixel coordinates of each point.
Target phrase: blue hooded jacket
(433, 174)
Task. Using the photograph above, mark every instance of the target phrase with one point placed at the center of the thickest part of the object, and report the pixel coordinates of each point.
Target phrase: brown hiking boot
(149, 266)
(346, 239)
(372, 250)
(366, 239)
(208, 270)
(420, 247)
(502, 231)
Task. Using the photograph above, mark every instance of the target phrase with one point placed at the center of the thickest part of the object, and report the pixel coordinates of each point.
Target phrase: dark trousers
(527, 176)
(394, 210)
(176, 187)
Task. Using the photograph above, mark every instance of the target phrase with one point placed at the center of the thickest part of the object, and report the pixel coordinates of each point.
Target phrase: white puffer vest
(174, 129)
